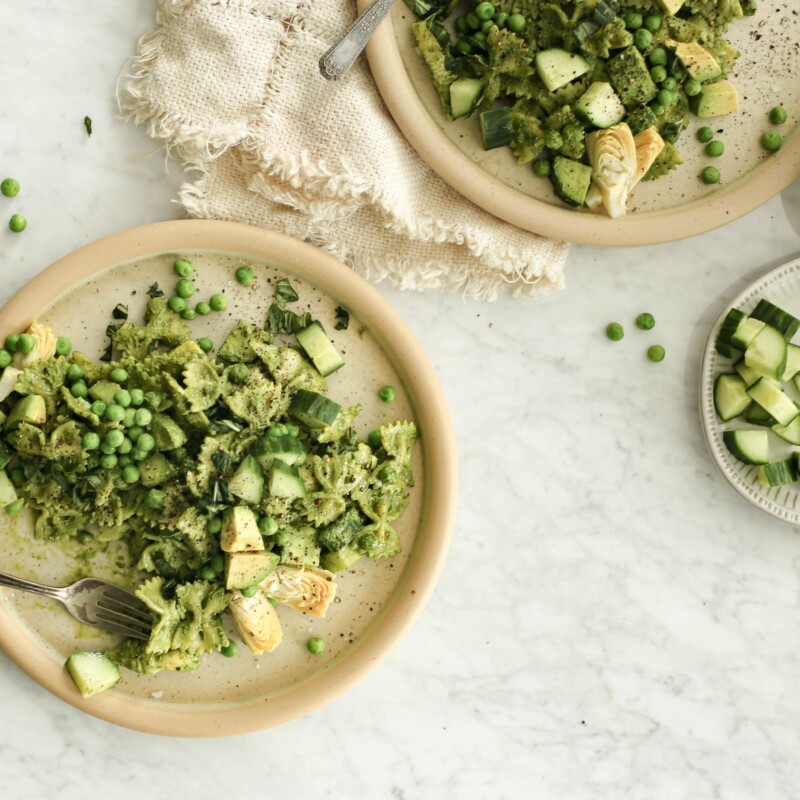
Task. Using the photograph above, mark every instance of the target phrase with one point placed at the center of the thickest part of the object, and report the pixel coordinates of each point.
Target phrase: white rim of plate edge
(739, 476)
(438, 514)
(423, 133)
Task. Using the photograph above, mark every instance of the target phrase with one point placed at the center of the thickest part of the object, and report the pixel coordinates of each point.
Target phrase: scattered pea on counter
(645, 321)
(615, 331)
(17, 223)
(9, 187)
(656, 353)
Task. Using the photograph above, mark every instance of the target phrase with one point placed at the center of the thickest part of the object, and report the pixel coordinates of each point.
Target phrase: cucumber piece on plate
(557, 67)
(285, 481)
(571, 180)
(792, 362)
(288, 449)
(605, 11)
(767, 312)
(771, 397)
(747, 374)
(314, 409)
(496, 127)
(600, 106)
(790, 432)
(758, 416)
(730, 396)
(778, 473)
(751, 447)
(319, 348)
(737, 331)
(766, 354)
(465, 96)
(92, 672)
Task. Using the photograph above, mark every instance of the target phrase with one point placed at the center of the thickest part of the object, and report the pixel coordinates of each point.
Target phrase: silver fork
(94, 602)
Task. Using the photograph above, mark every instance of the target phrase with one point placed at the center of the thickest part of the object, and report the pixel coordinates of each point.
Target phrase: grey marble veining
(612, 620)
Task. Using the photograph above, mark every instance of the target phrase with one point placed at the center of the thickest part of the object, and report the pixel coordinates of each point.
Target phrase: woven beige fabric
(232, 88)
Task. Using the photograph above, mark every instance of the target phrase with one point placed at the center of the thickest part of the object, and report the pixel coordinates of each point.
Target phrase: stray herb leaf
(108, 352)
(280, 320)
(284, 292)
(87, 123)
(154, 291)
(120, 311)
(342, 318)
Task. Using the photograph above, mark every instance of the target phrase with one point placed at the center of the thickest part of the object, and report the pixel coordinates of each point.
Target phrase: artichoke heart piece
(648, 146)
(44, 346)
(306, 589)
(257, 622)
(612, 154)
(8, 380)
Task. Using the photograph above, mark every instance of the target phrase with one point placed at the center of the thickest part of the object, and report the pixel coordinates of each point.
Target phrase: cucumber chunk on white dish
(778, 473)
(730, 396)
(768, 312)
(792, 362)
(790, 432)
(747, 374)
(751, 447)
(736, 332)
(92, 672)
(770, 396)
(766, 353)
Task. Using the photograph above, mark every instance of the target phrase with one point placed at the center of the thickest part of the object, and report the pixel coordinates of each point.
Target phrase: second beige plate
(376, 600)
(673, 207)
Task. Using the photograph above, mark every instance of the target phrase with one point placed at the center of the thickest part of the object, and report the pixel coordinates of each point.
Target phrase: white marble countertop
(612, 621)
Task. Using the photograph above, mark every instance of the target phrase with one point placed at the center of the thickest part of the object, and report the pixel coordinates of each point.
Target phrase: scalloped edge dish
(423, 129)
(438, 487)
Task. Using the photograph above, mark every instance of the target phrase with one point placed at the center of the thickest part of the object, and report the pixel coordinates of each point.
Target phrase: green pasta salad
(592, 94)
(233, 478)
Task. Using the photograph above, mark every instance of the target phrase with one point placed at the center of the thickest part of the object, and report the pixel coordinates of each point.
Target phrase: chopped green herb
(120, 311)
(284, 292)
(281, 320)
(342, 319)
(87, 123)
(154, 291)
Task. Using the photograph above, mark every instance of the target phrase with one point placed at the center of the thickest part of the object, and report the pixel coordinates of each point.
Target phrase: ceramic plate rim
(438, 513)
(465, 176)
(731, 469)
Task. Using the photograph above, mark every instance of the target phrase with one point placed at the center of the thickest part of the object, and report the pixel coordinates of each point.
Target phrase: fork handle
(10, 582)
(341, 56)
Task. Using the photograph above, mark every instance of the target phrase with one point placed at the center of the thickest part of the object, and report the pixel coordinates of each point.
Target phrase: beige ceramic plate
(673, 207)
(782, 287)
(376, 601)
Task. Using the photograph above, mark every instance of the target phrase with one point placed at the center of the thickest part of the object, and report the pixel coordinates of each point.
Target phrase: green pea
(17, 223)
(516, 23)
(715, 148)
(137, 454)
(143, 417)
(17, 475)
(666, 97)
(387, 394)
(26, 343)
(214, 525)
(615, 331)
(239, 373)
(677, 70)
(146, 442)
(129, 420)
(177, 304)
(218, 302)
(12, 340)
(130, 474)
(5, 359)
(479, 38)
(501, 19)
(115, 413)
(292, 429)
(118, 375)
(670, 84)
(205, 344)
(9, 187)
(63, 346)
(315, 645)
(85, 537)
(487, 25)
(705, 134)
(692, 88)
(183, 267)
(645, 321)
(107, 449)
(633, 21)
(485, 10)
(658, 58)
(137, 397)
(710, 175)
(229, 651)
(12, 509)
(79, 389)
(656, 353)
(461, 25)
(90, 440)
(245, 276)
(642, 39)
(188, 314)
(772, 141)
(184, 288)
(203, 309)
(74, 373)
(554, 140)
(652, 22)
(135, 432)
(109, 461)
(217, 562)
(473, 23)
(122, 397)
(249, 591)
(657, 108)
(207, 574)
(125, 460)
(374, 438)
(541, 167)
(155, 498)
(99, 408)
(777, 115)
(658, 74)
(463, 46)
(268, 526)
(115, 437)
(125, 447)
